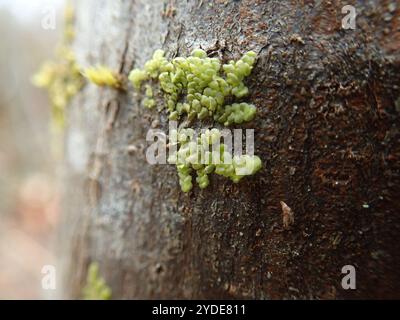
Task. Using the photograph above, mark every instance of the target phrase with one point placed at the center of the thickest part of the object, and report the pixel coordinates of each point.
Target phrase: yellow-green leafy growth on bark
(205, 155)
(198, 86)
(61, 77)
(95, 288)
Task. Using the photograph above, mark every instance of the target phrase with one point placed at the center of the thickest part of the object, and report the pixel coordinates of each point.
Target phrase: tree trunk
(327, 131)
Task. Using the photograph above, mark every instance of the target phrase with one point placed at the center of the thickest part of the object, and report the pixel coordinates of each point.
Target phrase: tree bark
(327, 131)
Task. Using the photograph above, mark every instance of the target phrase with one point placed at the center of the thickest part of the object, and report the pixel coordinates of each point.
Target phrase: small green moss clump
(198, 86)
(95, 288)
(103, 76)
(205, 155)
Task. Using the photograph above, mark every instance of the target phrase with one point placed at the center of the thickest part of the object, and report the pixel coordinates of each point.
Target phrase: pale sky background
(29, 10)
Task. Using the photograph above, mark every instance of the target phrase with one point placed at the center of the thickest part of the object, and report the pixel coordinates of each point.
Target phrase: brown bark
(327, 131)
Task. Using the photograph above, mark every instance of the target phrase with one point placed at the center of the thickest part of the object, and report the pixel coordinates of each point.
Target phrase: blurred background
(29, 193)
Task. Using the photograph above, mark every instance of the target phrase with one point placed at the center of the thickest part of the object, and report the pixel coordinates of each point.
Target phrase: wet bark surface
(327, 131)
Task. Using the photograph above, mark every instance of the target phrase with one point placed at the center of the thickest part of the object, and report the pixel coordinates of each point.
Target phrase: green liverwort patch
(205, 155)
(197, 86)
(201, 87)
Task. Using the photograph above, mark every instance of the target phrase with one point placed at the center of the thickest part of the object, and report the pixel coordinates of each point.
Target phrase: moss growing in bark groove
(205, 82)
(95, 288)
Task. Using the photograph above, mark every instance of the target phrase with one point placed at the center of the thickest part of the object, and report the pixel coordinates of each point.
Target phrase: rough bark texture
(327, 131)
